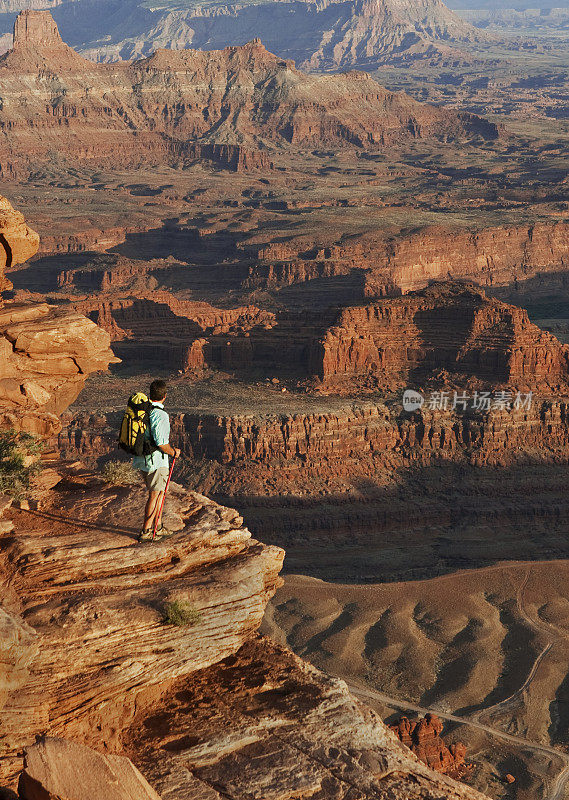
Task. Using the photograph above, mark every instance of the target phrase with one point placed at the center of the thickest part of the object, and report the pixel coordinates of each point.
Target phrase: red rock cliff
(494, 257)
(87, 656)
(93, 635)
(403, 341)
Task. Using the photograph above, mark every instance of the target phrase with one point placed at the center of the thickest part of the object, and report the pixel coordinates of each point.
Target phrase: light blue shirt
(159, 431)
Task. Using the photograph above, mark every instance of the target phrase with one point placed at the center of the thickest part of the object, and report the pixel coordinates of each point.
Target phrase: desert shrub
(121, 473)
(19, 462)
(180, 612)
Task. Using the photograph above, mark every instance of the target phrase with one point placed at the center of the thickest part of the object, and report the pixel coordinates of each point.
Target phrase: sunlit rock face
(45, 354)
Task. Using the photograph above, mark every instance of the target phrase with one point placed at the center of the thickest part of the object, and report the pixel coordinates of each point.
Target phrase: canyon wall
(394, 342)
(495, 257)
(492, 257)
(447, 327)
(306, 454)
(447, 338)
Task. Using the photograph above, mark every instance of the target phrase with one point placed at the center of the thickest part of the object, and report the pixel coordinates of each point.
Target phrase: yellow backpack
(135, 423)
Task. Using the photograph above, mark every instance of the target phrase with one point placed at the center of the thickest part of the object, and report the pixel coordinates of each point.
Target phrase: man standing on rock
(155, 467)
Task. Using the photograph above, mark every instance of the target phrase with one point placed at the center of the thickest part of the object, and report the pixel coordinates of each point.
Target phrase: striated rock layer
(232, 105)
(205, 711)
(521, 258)
(265, 725)
(89, 603)
(47, 356)
(388, 344)
(330, 451)
(512, 262)
(446, 327)
(184, 335)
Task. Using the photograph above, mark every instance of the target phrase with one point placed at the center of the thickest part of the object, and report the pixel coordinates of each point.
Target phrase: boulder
(55, 769)
(45, 354)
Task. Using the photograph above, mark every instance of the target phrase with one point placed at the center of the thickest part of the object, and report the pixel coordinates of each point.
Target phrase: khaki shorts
(156, 481)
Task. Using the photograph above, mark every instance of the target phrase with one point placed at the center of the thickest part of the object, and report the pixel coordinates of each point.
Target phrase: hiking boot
(145, 535)
(163, 532)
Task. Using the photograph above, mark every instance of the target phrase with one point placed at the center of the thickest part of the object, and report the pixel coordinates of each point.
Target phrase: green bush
(180, 612)
(19, 462)
(121, 473)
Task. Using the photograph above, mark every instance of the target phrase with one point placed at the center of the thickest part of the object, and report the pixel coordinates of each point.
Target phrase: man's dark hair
(158, 390)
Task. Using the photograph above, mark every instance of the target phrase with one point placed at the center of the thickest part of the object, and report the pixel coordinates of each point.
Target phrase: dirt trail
(539, 627)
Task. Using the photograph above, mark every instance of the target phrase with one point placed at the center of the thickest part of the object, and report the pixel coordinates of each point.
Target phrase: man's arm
(169, 450)
(160, 430)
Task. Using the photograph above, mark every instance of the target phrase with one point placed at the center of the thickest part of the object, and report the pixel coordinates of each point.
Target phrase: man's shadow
(79, 523)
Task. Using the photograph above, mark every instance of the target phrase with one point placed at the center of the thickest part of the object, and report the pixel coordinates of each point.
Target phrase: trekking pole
(163, 498)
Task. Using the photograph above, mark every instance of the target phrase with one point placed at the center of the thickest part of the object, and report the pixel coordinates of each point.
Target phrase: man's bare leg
(151, 509)
(159, 511)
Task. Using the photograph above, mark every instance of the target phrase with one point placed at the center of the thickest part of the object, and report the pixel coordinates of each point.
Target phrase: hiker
(155, 465)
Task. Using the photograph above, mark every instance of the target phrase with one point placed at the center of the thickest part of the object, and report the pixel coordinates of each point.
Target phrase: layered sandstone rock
(58, 770)
(88, 605)
(32, 28)
(266, 725)
(326, 452)
(395, 342)
(19, 648)
(492, 257)
(38, 45)
(164, 107)
(183, 335)
(204, 711)
(446, 328)
(18, 242)
(423, 737)
(45, 354)
(510, 257)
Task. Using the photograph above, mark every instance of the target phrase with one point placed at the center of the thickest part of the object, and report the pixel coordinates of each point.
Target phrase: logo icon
(412, 401)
